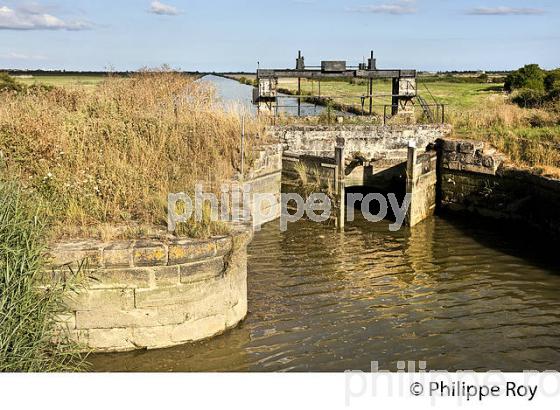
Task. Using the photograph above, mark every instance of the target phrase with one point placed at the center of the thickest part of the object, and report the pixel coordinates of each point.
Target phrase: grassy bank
(29, 338)
(529, 136)
(105, 161)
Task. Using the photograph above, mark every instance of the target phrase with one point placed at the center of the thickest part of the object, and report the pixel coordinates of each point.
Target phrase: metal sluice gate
(266, 95)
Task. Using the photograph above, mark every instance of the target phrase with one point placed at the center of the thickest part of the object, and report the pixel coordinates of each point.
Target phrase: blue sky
(233, 35)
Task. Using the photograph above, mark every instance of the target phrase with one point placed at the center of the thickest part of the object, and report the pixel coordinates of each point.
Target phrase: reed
(30, 339)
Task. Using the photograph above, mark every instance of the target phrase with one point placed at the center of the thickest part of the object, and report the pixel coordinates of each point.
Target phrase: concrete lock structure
(156, 293)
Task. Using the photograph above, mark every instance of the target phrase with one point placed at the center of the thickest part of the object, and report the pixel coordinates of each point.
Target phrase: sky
(220, 35)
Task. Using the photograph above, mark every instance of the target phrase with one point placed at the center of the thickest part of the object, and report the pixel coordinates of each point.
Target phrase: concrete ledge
(151, 293)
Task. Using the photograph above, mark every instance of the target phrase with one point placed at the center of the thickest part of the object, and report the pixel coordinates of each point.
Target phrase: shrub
(8, 83)
(529, 98)
(552, 80)
(29, 337)
(529, 77)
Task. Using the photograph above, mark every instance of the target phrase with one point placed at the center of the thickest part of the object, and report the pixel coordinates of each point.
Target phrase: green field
(456, 95)
(476, 108)
(85, 81)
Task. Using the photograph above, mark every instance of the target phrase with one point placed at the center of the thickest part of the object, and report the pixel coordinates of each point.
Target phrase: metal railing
(436, 112)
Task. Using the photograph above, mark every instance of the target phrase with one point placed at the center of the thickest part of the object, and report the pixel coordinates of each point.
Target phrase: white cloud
(20, 56)
(29, 19)
(397, 8)
(157, 7)
(505, 11)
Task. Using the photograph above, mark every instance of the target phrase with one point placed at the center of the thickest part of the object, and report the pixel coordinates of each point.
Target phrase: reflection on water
(237, 96)
(457, 295)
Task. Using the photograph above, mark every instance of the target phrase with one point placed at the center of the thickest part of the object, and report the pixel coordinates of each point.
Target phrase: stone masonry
(475, 178)
(152, 294)
(421, 181)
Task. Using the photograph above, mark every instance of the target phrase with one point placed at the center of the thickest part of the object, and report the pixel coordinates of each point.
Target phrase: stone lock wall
(379, 142)
(147, 294)
(153, 294)
(475, 178)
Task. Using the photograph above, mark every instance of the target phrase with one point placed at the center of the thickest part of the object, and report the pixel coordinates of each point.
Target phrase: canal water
(457, 294)
(236, 96)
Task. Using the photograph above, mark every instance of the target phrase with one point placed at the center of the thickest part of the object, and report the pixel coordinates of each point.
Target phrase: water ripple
(456, 295)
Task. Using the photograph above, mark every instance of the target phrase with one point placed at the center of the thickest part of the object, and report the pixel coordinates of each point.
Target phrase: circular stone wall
(139, 294)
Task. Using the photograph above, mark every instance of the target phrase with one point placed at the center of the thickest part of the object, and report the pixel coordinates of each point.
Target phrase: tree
(552, 80)
(530, 77)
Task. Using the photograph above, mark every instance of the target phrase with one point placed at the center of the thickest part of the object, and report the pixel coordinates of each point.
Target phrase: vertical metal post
(371, 85)
(411, 180)
(299, 89)
(395, 96)
(340, 184)
(242, 146)
(299, 97)
(385, 114)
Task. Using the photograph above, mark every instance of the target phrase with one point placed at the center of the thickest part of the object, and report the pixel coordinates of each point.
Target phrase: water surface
(455, 293)
(235, 95)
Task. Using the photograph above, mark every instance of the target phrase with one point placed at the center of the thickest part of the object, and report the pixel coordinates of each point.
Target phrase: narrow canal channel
(456, 294)
(237, 96)
(460, 294)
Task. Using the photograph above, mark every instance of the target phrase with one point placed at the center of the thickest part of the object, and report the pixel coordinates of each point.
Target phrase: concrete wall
(474, 178)
(265, 177)
(375, 142)
(152, 294)
(421, 181)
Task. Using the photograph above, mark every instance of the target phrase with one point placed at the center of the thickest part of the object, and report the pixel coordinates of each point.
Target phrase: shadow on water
(510, 237)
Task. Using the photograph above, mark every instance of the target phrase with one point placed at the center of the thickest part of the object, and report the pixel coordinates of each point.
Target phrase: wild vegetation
(96, 163)
(534, 87)
(29, 337)
(105, 161)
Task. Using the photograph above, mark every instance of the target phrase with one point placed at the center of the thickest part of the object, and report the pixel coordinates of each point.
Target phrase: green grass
(458, 96)
(67, 81)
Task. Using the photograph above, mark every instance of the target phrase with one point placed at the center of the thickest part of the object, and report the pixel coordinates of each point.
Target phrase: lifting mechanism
(404, 87)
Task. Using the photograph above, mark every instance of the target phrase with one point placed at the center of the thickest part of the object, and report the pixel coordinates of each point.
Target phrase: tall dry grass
(528, 136)
(110, 157)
